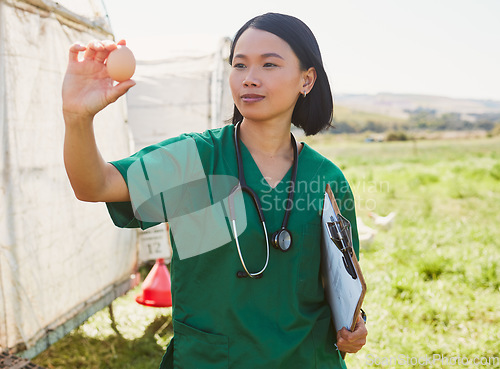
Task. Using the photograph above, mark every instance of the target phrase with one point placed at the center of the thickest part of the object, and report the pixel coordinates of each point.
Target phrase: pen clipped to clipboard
(343, 280)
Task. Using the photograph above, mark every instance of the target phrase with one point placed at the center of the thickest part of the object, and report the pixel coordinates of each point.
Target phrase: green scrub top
(281, 320)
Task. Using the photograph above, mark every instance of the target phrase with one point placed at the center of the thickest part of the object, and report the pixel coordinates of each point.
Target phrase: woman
(237, 301)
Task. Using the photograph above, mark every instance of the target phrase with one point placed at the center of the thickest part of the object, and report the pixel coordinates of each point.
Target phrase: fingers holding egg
(118, 58)
(121, 63)
(102, 54)
(92, 49)
(75, 50)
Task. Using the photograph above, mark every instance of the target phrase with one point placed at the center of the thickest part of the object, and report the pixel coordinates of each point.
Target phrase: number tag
(154, 244)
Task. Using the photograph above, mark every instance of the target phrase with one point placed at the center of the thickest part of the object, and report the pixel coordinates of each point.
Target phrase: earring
(304, 94)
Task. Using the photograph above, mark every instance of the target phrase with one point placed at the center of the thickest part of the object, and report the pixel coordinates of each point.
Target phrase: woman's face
(266, 79)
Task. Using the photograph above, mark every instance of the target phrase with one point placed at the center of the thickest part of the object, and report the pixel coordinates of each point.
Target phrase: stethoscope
(282, 238)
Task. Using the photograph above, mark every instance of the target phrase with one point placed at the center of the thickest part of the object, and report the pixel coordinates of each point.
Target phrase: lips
(249, 98)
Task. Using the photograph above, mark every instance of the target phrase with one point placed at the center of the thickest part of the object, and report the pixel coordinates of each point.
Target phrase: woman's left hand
(353, 341)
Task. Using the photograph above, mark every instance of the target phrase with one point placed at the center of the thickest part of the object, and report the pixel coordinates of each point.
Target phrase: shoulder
(213, 136)
(330, 173)
(204, 144)
(213, 144)
(326, 167)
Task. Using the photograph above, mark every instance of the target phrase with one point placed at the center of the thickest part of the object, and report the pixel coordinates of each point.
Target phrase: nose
(251, 79)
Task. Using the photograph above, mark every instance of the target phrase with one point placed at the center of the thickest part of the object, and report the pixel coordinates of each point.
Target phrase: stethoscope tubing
(232, 215)
(259, 273)
(243, 187)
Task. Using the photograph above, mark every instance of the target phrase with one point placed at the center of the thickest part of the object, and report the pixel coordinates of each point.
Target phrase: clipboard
(343, 280)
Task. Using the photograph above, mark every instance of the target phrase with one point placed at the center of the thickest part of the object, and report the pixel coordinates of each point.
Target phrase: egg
(121, 64)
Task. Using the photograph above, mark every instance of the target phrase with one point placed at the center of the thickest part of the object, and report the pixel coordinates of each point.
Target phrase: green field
(433, 278)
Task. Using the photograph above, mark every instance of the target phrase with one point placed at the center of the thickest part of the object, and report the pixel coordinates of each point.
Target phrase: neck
(267, 139)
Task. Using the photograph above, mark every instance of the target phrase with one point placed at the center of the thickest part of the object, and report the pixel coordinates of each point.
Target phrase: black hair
(314, 112)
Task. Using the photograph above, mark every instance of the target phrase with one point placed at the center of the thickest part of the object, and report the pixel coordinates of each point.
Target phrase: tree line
(423, 119)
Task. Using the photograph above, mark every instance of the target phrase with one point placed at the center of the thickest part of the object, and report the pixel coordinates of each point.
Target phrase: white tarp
(58, 255)
(182, 86)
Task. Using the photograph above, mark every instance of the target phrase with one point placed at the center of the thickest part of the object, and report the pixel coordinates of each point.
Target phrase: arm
(87, 89)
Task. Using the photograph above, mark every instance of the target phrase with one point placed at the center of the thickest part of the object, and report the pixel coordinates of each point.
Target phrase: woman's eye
(239, 66)
(267, 65)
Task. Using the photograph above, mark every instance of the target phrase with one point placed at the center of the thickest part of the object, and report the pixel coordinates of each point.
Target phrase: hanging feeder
(156, 288)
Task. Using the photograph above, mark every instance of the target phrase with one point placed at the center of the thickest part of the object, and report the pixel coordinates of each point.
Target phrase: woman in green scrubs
(222, 316)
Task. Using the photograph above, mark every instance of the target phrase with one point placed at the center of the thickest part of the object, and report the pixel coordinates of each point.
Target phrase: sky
(432, 47)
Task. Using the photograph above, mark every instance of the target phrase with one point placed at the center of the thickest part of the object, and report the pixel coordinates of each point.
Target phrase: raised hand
(87, 87)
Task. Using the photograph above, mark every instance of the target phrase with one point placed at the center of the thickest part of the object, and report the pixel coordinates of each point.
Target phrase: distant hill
(343, 113)
(395, 105)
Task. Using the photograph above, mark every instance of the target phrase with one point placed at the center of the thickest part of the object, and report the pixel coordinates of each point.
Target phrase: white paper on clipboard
(344, 294)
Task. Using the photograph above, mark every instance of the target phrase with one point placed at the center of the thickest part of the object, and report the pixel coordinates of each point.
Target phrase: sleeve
(154, 175)
(345, 201)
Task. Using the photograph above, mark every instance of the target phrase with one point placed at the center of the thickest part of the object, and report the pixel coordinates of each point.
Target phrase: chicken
(384, 222)
(366, 234)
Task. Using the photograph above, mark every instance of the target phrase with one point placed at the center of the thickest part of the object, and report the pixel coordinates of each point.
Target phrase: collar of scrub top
(281, 239)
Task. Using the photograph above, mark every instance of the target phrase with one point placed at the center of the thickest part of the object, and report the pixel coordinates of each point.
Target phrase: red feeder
(156, 290)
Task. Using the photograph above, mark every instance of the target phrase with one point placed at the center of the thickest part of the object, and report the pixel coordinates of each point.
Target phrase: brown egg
(121, 64)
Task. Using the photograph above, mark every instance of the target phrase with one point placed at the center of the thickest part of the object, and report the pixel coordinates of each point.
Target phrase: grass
(433, 278)
(127, 335)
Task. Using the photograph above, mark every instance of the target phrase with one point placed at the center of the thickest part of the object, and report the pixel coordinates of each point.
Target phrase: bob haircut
(315, 111)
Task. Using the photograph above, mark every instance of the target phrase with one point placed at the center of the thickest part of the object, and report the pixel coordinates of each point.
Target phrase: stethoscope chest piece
(282, 239)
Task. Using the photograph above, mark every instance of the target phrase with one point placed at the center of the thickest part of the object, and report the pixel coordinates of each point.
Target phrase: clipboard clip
(340, 233)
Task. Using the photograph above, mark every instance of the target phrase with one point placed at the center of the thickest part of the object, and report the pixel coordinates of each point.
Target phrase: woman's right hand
(87, 87)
